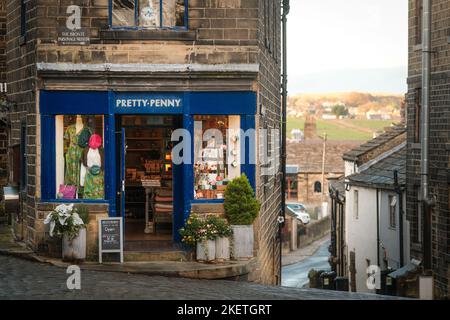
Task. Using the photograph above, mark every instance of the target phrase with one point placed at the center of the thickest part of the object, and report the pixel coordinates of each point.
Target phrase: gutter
(378, 227)
(285, 7)
(425, 131)
(400, 217)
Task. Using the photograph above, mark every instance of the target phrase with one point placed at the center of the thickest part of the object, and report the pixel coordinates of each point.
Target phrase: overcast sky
(347, 45)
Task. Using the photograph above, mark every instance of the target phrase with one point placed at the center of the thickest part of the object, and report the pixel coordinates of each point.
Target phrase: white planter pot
(75, 249)
(223, 249)
(206, 250)
(243, 239)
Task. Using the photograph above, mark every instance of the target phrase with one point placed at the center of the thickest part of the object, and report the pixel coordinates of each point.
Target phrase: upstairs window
(148, 13)
(418, 114)
(23, 17)
(419, 17)
(392, 212)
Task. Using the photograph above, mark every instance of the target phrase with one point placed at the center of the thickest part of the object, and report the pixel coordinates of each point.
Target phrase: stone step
(165, 255)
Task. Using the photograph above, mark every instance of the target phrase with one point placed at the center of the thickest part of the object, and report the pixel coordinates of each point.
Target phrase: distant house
(368, 226)
(307, 156)
(329, 116)
(297, 135)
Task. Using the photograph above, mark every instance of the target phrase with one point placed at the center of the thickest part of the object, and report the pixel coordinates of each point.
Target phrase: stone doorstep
(191, 270)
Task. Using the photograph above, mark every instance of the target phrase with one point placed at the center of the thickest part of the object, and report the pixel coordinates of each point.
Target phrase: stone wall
(21, 73)
(220, 32)
(439, 142)
(52, 247)
(314, 231)
(269, 187)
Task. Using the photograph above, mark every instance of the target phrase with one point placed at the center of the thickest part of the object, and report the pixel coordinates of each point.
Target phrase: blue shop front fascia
(111, 104)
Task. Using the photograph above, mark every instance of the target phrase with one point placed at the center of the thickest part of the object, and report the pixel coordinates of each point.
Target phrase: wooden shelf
(142, 150)
(144, 138)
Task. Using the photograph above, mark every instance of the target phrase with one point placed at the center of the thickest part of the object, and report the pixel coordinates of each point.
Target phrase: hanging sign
(110, 237)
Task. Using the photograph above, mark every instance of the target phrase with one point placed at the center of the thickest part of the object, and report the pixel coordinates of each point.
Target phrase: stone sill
(417, 47)
(156, 34)
(415, 146)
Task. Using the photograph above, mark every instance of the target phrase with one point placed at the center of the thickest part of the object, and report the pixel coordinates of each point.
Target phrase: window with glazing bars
(148, 13)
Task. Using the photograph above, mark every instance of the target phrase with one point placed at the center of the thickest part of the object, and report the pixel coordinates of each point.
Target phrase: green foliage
(340, 110)
(241, 206)
(64, 220)
(197, 229)
(83, 212)
(223, 229)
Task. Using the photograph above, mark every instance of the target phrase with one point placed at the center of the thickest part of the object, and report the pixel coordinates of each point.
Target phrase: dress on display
(73, 157)
(94, 178)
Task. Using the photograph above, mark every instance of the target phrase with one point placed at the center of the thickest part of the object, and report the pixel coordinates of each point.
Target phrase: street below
(21, 279)
(296, 275)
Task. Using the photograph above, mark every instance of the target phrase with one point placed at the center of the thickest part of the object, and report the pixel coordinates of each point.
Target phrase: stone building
(83, 64)
(309, 186)
(439, 137)
(358, 223)
(3, 104)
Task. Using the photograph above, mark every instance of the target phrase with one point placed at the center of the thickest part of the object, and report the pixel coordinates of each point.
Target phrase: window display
(147, 13)
(79, 157)
(216, 152)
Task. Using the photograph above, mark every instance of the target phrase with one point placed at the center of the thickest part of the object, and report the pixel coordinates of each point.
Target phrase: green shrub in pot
(241, 210)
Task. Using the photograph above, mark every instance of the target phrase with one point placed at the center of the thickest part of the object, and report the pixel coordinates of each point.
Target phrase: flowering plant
(220, 225)
(190, 234)
(198, 230)
(65, 220)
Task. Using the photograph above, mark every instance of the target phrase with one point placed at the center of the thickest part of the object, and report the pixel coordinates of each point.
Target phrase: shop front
(147, 156)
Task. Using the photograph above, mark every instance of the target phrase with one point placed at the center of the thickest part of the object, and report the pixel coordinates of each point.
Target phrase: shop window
(216, 154)
(149, 13)
(79, 157)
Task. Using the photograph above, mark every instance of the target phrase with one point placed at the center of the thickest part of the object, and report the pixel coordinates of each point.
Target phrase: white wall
(350, 168)
(361, 235)
(389, 237)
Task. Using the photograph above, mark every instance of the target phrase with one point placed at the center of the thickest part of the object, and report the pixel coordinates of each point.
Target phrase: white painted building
(375, 210)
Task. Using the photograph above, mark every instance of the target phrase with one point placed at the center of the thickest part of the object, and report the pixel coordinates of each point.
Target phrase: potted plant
(223, 234)
(199, 233)
(241, 209)
(65, 221)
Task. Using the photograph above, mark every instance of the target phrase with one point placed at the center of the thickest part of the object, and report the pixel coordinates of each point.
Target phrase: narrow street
(21, 279)
(296, 275)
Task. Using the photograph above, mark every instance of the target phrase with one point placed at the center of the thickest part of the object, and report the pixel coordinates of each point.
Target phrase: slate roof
(339, 187)
(307, 155)
(388, 135)
(381, 174)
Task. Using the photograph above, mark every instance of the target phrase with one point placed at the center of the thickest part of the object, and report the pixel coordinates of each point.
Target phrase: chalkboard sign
(110, 237)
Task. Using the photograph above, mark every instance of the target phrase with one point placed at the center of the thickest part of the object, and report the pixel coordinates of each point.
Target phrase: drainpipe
(378, 227)
(285, 12)
(424, 167)
(400, 216)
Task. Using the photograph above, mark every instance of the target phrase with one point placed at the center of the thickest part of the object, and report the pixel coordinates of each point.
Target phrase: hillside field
(361, 130)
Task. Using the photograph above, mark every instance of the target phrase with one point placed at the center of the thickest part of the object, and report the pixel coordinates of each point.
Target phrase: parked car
(300, 211)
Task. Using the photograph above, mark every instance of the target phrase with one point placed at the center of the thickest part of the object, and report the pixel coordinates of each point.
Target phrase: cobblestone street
(21, 279)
